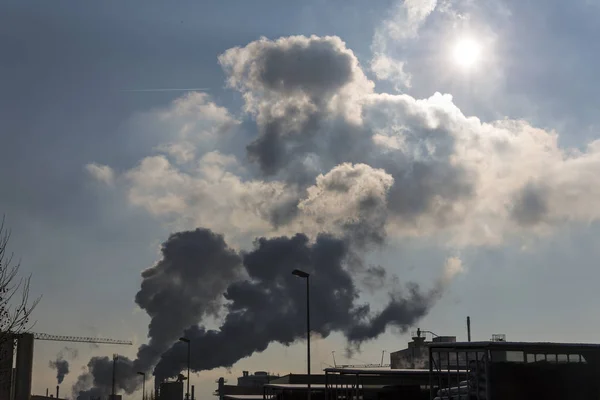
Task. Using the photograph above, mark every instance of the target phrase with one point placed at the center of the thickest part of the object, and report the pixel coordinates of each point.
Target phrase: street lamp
(306, 275)
(186, 340)
(143, 374)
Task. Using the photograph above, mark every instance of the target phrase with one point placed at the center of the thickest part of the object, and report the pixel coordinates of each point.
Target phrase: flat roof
(295, 386)
(377, 371)
(315, 386)
(514, 345)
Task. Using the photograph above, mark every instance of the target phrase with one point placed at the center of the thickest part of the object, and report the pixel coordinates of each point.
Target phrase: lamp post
(186, 340)
(306, 275)
(143, 374)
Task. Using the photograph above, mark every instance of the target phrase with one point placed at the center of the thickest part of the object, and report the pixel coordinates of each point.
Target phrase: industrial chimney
(57, 391)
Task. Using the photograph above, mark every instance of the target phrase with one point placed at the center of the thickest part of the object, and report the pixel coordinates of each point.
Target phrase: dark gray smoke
(270, 305)
(61, 365)
(313, 116)
(303, 95)
(62, 369)
(178, 291)
(97, 382)
(530, 205)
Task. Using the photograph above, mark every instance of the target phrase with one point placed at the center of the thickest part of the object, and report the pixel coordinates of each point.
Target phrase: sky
(449, 144)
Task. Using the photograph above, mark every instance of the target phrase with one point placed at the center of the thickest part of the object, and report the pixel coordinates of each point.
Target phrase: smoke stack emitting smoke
(200, 276)
(61, 365)
(252, 293)
(62, 369)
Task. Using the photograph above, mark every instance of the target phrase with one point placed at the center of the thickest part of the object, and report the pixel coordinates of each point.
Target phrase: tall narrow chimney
(46, 392)
(193, 398)
(469, 329)
(57, 391)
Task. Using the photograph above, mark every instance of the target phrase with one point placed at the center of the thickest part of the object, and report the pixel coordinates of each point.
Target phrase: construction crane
(79, 339)
(24, 358)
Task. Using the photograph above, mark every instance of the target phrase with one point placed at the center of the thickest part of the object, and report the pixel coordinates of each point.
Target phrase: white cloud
(390, 69)
(403, 24)
(452, 268)
(100, 172)
(396, 165)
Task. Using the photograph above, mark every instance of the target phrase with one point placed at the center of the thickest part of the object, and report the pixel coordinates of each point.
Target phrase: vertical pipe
(308, 333)
(469, 328)
(187, 395)
(57, 388)
(192, 392)
(114, 375)
(46, 392)
(431, 391)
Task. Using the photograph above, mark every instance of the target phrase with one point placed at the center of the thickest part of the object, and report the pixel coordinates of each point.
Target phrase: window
(574, 358)
(515, 356)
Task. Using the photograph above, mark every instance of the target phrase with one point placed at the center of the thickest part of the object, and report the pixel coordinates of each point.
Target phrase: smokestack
(114, 374)
(57, 387)
(46, 392)
(469, 329)
(193, 392)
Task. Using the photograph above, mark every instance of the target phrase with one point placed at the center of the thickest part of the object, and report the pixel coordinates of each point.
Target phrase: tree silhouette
(15, 306)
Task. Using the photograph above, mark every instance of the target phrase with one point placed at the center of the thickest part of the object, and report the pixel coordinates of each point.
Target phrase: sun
(467, 52)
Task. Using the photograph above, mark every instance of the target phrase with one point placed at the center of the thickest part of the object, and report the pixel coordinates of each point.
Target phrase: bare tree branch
(15, 304)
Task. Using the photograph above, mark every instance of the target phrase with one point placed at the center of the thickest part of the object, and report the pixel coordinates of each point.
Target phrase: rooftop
(515, 345)
(244, 396)
(377, 371)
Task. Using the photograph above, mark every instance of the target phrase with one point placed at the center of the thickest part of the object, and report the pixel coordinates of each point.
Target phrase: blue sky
(86, 236)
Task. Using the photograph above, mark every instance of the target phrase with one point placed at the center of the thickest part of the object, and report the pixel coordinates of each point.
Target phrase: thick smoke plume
(180, 290)
(61, 365)
(260, 301)
(62, 369)
(337, 167)
(269, 306)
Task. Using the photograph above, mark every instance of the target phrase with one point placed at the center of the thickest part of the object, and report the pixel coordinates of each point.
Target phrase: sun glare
(467, 53)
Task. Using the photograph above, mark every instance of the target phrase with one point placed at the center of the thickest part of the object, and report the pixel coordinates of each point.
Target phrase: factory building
(416, 355)
(15, 379)
(501, 370)
(171, 390)
(258, 379)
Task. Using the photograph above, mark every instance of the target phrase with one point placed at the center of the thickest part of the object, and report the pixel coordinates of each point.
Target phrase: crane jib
(80, 339)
